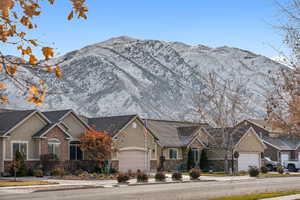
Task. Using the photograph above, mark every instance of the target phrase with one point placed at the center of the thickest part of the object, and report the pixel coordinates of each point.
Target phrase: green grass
(258, 196)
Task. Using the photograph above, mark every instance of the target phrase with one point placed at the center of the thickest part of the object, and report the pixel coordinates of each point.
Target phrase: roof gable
(112, 125)
(48, 128)
(173, 133)
(250, 133)
(56, 115)
(10, 120)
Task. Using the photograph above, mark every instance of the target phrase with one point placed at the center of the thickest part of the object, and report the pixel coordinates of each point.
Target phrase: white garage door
(284, 157)
(132, 160)
(248, 159)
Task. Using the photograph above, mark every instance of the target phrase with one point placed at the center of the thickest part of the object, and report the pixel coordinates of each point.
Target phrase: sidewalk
(77, 184)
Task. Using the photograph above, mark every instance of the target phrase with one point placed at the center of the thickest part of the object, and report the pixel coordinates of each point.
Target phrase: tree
(16, 20)
(96, 145)
(283, 101)
(18, 167)
(222, 103)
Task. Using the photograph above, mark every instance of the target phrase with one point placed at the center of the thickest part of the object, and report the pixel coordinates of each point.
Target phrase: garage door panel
(246, 160)
(132, 160)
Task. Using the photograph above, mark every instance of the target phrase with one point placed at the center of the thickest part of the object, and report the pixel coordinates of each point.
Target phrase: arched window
(53, 146)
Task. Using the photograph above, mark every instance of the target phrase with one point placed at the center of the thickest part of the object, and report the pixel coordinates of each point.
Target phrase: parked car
(292, 166)
(270, 164)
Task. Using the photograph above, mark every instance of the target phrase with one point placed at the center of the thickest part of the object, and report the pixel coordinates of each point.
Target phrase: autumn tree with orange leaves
(96, 145)
(16, 20)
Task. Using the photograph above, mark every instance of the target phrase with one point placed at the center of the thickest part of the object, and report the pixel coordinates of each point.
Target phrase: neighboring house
(31, 133)
(34, 134)
(136, 145)
(241, 139)
(181, 143)
(280, 146)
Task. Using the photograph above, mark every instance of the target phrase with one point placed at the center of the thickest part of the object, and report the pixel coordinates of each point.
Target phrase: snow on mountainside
(155, 79)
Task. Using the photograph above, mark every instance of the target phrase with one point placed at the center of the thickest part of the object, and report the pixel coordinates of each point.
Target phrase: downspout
(145, 143)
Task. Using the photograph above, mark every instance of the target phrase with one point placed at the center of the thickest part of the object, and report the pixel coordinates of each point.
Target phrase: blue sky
(238, 23)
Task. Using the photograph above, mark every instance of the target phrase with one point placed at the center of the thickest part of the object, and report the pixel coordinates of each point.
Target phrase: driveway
(180, 191)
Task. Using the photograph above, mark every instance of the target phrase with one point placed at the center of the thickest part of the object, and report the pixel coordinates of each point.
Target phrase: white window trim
(177, 157)
(18, 142)
(53, 141)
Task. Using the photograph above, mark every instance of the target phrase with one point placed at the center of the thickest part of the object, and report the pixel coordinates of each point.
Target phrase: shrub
(253, 172)
(123, 178)
(78, 172)
(38, 173)
(194, 174)
(159, 176)
(264, 169)
(58, 172)
(142, 177)
(280, 170)
(113, 171)
(242, 172)
(176, 176)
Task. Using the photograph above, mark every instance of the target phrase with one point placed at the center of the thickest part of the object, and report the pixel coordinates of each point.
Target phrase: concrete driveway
(180, 191)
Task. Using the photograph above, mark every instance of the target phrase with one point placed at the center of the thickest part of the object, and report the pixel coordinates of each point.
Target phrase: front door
(196, 157)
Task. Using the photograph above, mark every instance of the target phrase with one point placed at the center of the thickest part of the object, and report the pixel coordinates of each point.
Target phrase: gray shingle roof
(44, 130)
(173, 133)
(112, 125)
(10, 119)
(56, 115)
(282, 141)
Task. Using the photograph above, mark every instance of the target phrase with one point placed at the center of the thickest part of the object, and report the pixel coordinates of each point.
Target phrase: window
(20, 147)
(196, 154)
(293, 155)
(173, 153)
(53, 146)
(75, 151)
(134, 125)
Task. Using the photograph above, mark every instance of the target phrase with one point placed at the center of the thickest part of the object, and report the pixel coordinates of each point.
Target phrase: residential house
(240, 146)
(280, 146)
(34, 134)
(136, 145)
(181, 143)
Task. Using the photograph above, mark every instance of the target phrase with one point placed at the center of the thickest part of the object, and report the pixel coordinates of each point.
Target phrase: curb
(161, 183)
(71, 188)
(119, 185)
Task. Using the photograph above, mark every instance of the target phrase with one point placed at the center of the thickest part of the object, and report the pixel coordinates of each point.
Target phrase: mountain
(153, 78)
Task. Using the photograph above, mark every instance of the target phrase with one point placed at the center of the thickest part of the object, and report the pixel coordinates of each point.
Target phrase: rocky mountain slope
(155, 79)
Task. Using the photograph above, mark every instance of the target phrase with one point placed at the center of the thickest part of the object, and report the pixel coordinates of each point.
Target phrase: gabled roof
(48, 128)
(10, 119)
(281, 141)
(173, 133)
(56, 115)
(112, 125)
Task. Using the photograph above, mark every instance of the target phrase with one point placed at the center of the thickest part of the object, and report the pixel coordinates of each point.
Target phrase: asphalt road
(179, 191)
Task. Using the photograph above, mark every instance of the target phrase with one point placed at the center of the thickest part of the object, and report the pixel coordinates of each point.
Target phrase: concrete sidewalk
(74, 184)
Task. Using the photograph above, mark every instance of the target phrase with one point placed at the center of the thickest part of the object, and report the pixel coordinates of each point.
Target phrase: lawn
(258, 196)
(8, 183)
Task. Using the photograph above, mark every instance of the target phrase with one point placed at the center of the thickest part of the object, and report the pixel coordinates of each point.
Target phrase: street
(180, 191)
